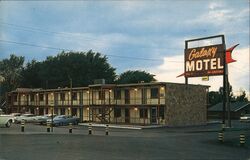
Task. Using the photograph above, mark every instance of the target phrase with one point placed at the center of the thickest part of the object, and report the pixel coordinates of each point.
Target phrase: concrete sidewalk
(126, 126)
(122, 126)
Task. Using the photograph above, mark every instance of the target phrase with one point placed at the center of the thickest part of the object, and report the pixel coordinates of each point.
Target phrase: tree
(217, 96)
(242, 97)
(231, 95)
(79, 67)
(135, 77)
(30, 74)
(10, 71)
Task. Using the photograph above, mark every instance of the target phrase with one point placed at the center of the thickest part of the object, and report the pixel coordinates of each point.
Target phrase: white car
(14, 115)
(6, 120)
(28, 118)
(245, 118)
(43, 119)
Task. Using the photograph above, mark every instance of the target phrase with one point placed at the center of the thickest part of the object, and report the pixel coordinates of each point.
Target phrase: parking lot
(198, 142)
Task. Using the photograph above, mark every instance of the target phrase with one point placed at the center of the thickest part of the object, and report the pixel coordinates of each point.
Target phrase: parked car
(43, 119)
(245, 118)
(15, 115)
(28, 118)
(64, 120)
(6, 120)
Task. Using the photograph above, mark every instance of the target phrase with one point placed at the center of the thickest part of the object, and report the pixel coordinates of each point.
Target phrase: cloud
(214, 5)
(221, 14)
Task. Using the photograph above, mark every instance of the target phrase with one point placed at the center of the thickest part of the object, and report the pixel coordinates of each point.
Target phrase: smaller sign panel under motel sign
(204, 61)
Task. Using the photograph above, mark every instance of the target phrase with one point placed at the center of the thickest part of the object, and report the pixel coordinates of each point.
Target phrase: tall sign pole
(186, 78)
(226, 91)
(224, 84)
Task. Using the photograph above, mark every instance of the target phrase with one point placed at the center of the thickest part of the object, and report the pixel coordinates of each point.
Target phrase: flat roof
(158, 83)
(25, 90)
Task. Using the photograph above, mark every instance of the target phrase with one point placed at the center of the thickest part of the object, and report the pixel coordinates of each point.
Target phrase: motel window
(74, 112)
(40, 97)
(117, 94)
(101, 95)
(15, 98)
(74, 96)
(62, 96)
(154, 92)
(143, 113)
(117, 112)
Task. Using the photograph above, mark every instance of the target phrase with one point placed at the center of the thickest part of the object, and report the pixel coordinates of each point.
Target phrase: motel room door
(127, 115)
(153, 115)
(127, 97)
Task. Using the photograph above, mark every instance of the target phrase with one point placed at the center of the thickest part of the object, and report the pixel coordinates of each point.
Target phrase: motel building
(162, 103)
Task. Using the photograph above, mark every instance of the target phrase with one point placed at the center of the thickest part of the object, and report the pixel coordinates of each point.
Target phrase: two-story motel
(170, 104)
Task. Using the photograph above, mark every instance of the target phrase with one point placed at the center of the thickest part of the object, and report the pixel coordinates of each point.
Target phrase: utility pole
(71, 95)
(52, 116)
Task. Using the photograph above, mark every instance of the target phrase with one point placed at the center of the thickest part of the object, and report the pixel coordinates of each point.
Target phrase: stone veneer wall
(185, 105)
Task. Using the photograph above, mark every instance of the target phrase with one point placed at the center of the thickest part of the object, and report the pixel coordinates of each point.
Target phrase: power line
(64, 49)
(127, 57)
(63, 34)
(66, 35)
(34, 45)
(33, 29)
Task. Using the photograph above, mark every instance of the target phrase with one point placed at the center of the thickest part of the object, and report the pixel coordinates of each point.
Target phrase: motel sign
(204, 61)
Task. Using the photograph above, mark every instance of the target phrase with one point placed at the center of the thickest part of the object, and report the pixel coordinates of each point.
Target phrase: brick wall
(185, 105)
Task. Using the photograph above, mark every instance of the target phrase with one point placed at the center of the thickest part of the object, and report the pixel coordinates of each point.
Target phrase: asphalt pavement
(196, 142)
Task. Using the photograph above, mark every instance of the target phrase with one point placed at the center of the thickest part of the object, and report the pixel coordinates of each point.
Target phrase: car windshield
(63, 116)
(27, 115)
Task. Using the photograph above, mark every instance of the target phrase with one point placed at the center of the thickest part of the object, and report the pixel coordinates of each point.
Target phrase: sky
(134, 35)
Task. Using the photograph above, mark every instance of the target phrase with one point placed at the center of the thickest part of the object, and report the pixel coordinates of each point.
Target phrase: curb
(122, 126)
(111, 126)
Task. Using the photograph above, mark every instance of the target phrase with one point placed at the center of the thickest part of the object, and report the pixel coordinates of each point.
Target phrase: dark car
(64, 120)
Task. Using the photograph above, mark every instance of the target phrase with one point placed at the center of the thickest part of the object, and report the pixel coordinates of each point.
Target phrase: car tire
(8, 124)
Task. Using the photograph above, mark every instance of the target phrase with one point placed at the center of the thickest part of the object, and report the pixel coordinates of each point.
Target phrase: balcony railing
(85, 102)
(122, 119)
